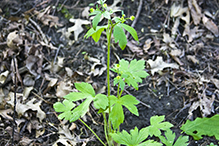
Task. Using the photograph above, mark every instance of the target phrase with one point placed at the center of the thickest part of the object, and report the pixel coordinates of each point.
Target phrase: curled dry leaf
(3, 76)
(14, 40)
(159, 65)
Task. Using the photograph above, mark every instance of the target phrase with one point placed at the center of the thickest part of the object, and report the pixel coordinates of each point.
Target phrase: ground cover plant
(111, 105)
(46, 53)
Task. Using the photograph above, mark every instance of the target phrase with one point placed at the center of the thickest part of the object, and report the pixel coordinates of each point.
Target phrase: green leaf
(119, 35)
(134, 138)
(170, 138)
(95, 33)
(86, 92)
(100, 101)
(81, 110)
(129, 102)
(131, 30)
(96, 20)
(202, 126)
(117, 116)
(130, 73)
(64, 107)
(85, 88)
(157, 125)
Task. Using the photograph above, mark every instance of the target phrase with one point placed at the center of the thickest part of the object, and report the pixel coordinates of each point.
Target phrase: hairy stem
(92, 131)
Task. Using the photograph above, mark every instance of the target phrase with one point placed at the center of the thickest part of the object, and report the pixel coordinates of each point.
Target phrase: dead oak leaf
(77, 28)
(21, 108)
(159, 65)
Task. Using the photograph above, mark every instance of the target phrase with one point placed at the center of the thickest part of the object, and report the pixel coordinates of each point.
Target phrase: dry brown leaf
(69, 71)
(63, 88)
(14, 40)
(26, 92)
(134, 48)
(210, 25)
(85, 12)
(2, 99)
(47, 19)
(195, 11)
(204, 103)
(30, 105)
(147, 45)
(192, 33)
(6, 114)
(97, 69)
(25, 141)
(77, 28)
(3, 76)
(193, 59)
(216, 82)
(159, 65)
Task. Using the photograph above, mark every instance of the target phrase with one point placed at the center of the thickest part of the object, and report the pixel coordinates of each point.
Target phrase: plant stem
(109, 34)
(92, 131)
(105, 128)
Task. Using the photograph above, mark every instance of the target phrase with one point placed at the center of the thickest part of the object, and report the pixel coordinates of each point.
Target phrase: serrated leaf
(81, 110)
(157, 125)
(119, 35)
(182, 141)
(130, 29)
(86, 92)
(130, 73)
(117, 116)
(170, 138)
(100, 101)
(134, 138)
(129, 102)
(202, 126)
(64, 107)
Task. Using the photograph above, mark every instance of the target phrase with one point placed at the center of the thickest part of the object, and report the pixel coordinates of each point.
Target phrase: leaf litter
(182, 55)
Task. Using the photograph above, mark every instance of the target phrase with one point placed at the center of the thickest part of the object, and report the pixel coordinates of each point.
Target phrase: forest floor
(42, 45)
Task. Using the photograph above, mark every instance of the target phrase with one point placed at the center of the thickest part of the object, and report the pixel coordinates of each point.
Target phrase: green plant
(111, 106)
(202, 126)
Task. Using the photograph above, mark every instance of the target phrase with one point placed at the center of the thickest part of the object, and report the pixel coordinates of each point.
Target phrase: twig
(15, 100)
(138, 100)
(136, 17)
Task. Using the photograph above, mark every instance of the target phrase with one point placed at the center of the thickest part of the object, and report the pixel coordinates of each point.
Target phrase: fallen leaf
(26, 92)
(30, 105)
(3, 76)
(77, 28)
(159, 65)
(14, 40)
(195, 11)
(210, 25)
(63, 88)
(193, 59)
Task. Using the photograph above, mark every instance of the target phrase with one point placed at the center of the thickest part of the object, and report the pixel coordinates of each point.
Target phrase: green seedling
(111, 106)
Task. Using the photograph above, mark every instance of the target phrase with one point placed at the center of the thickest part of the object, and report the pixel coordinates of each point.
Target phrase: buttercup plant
(111, 106)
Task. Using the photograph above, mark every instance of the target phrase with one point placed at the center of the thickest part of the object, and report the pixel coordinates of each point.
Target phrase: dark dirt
(164, 95)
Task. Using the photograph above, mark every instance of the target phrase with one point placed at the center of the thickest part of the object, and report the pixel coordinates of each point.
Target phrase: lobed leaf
(100, 101)
(202, 126)
(64, 107)
(134, 138)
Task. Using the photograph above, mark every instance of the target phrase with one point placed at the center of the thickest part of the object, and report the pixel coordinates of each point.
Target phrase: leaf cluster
(138, 137)
(130, 73)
